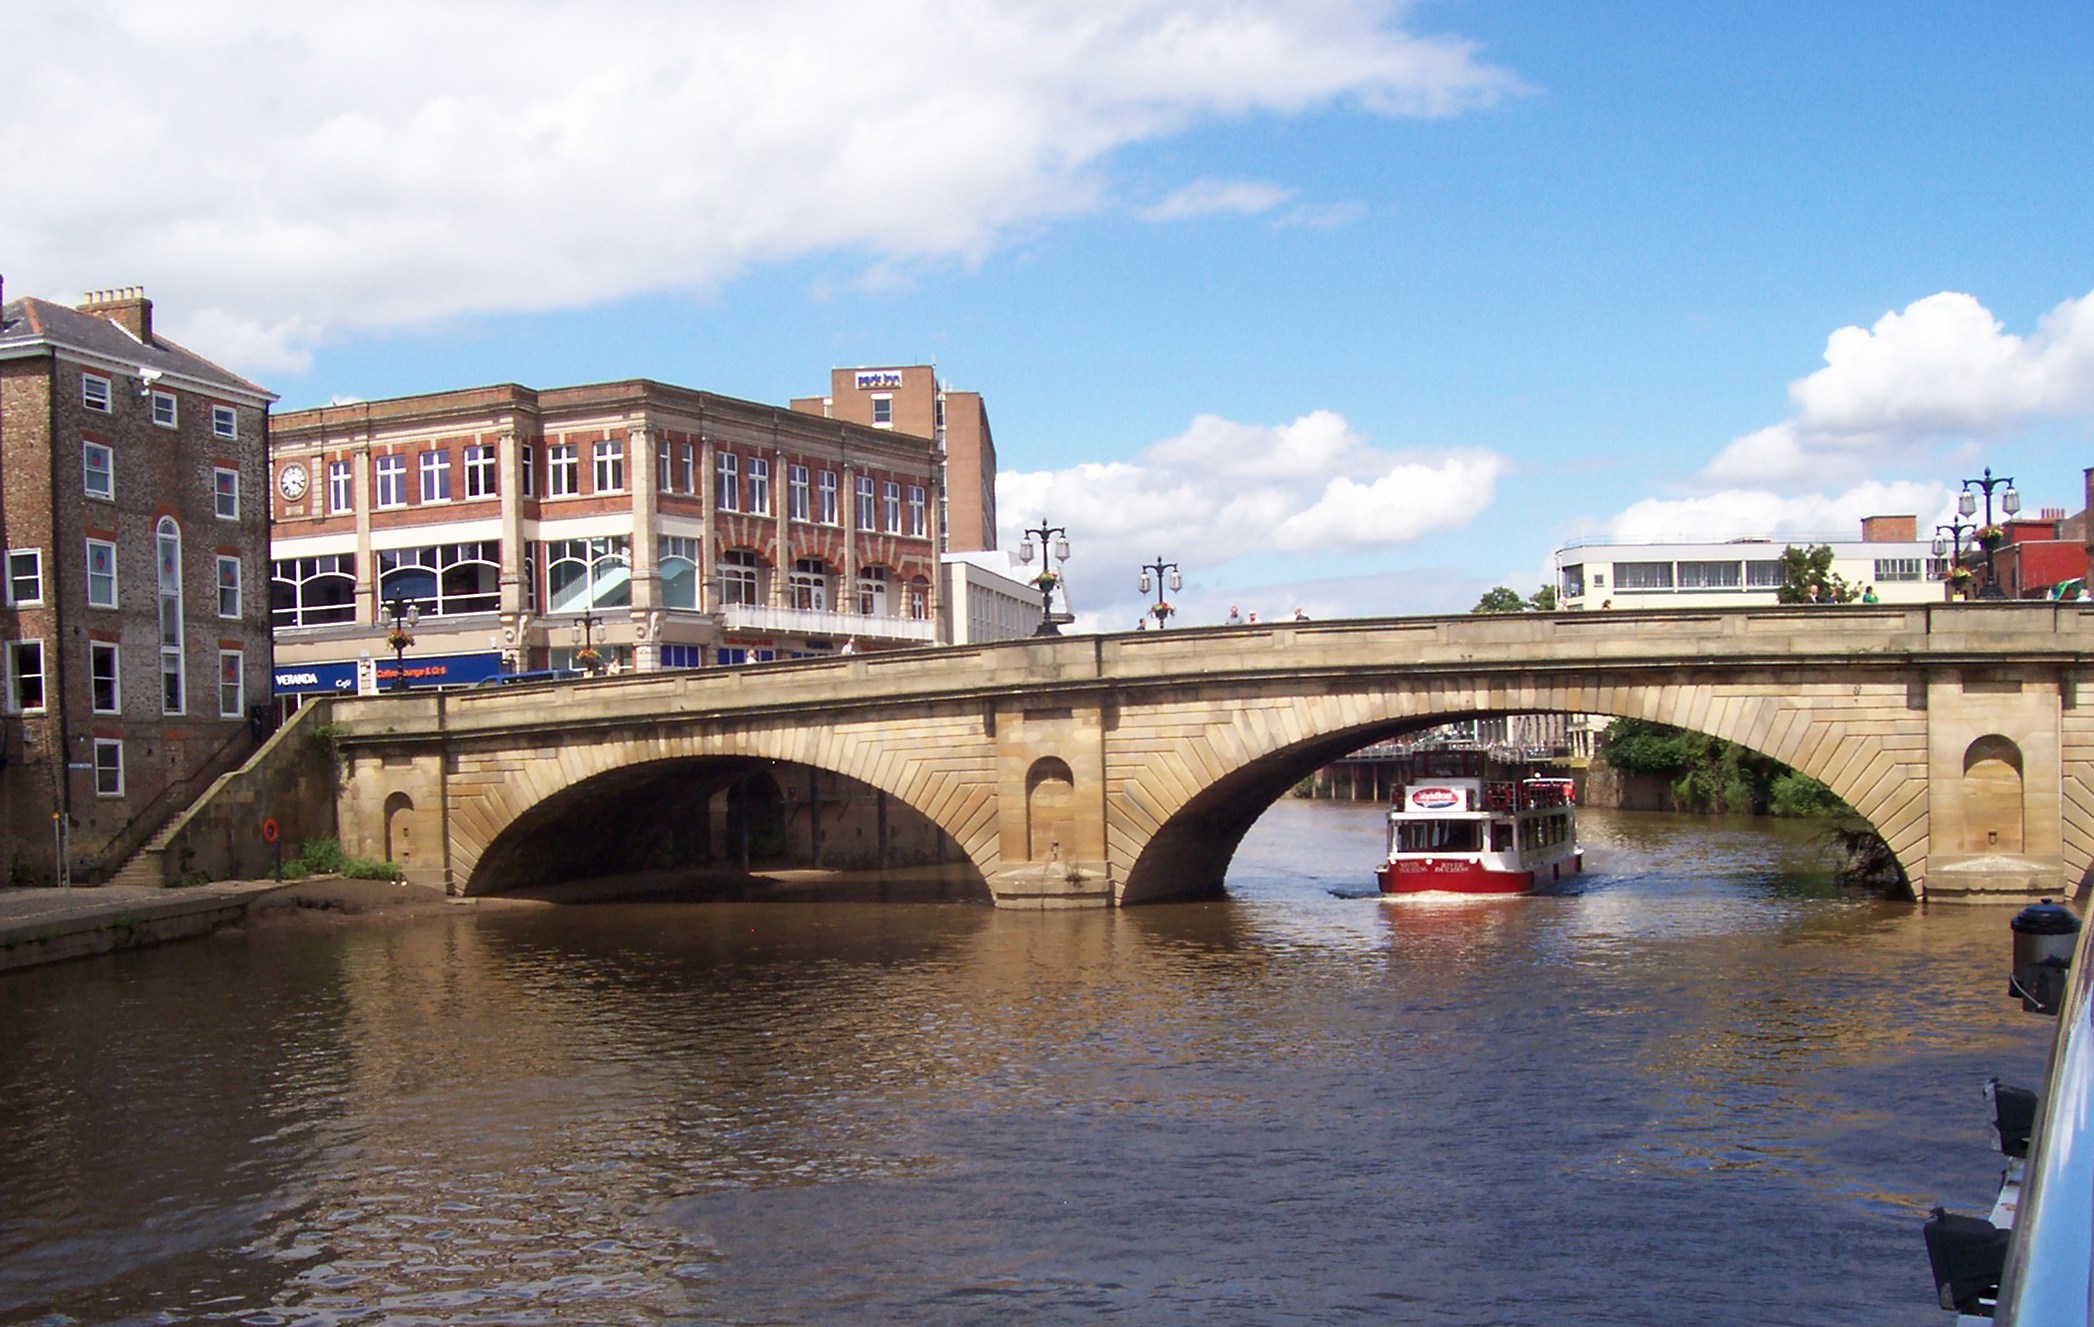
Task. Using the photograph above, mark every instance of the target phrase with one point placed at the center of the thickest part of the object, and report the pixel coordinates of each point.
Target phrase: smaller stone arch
(399, 830)
(1992, 795)
(1050, 808)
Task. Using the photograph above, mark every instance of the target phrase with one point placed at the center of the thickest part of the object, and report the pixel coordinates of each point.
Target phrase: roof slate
(31, 321)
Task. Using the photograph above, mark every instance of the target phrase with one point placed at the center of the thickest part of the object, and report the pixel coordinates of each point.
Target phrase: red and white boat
(1464, 822)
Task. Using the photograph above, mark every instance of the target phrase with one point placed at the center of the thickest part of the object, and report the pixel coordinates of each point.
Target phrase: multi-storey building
(910, 399)
(136, 638)
(1889, 557)
(653, 526)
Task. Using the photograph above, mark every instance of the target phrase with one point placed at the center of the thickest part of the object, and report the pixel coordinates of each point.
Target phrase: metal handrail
(138, 831)
(2050, 1258)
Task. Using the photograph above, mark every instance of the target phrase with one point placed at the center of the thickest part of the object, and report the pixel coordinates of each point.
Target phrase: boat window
(1501, 837)
(1439, 836)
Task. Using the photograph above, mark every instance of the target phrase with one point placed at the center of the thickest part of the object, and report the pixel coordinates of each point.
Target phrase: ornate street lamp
(1951, 549)
(401, 614)
(1161, 609)
(587, 633)
(1048, 577)
(1989, 536)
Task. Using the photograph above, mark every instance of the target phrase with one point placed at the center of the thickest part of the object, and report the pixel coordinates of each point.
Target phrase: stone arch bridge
(1099, 770)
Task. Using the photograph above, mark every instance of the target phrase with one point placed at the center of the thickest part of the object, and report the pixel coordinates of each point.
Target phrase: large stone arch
(1180, 809)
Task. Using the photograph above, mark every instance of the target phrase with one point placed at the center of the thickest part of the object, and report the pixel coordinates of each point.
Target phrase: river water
(1709, 1088)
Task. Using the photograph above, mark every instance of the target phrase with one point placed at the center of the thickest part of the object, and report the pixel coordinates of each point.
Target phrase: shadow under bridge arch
(700, 821)
(1189, 855)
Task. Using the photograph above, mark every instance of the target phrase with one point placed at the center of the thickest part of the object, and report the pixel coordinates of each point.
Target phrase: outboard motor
(2044, 937)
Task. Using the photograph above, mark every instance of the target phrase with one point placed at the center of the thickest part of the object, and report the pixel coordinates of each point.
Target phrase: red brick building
(911, 400)
(135, 630)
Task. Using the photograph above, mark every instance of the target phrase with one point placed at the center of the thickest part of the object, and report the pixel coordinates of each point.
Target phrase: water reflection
(1672, 1094)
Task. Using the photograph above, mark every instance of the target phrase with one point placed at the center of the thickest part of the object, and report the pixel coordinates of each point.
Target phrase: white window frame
(341, 487)
(919, 512)
(225, 423)
(434, 470)
(759, 486)
(98, 650)
(563, 470)
(109, 746)
(89, 450)
(225, 493)
(94, 393)
(35, 557)
(727, 484)
(610, 465)
(528, 458)
(106, 547)
(167, 567)
(238, 695)
(868, 504)
(890, 507)
(389, 474)
(17, 652)
(799, 488)
(883, 410)
(481, 477)
(167, 413)
(225, 587)
(827, 512)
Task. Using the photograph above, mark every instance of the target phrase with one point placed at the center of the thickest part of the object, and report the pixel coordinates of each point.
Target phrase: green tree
(1543, 600)
(1802, 568)
(1499, 599)
(1710, 774)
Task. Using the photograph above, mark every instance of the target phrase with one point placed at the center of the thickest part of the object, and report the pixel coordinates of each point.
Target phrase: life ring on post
(270, 830)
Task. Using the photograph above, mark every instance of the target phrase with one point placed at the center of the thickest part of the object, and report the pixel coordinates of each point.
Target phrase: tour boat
(1464, 822)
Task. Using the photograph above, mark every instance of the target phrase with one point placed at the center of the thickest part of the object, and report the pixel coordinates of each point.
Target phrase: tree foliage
(1708, 774)
(1543, 600)
(1499, 599)
(1802, 568)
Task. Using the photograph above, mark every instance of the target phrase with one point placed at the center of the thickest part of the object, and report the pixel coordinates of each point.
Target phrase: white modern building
(1889, 557)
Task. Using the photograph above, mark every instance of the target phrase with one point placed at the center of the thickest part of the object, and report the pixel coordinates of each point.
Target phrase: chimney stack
(126, 306)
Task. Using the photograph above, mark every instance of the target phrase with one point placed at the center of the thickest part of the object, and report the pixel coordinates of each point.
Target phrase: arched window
(810, 585)
(1992, 796)
(872, 591)
(588, 573)
(678, 565)
(168, 559)
(740, 577)
(1050, 809)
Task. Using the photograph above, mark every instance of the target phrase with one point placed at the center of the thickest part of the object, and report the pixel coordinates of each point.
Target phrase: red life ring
(269, 831)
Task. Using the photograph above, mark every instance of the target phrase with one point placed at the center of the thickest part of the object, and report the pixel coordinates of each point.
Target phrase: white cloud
(1758, 513)
(276, 173)
(1223, 491)
(1205, 198)
(1942, 371)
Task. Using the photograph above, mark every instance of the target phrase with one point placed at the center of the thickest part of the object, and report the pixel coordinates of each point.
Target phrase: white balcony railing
(805, 622)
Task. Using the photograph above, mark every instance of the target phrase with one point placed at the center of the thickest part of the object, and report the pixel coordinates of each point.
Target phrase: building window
(563, 470)
(101, 573)
(1899, 569)
(109, 767)
(164, 409)
(228, 587)
(1643, 575)
(872, 591)
(392, 481)
(866, 503)
(759, 485)
(104, 677)
(809, 585)
(588, 573)
(727, 488)
(1938, 568)
(479, 470)
(168, 562)
(530, 575)
(1708, 576)
(436, 475)
(919, 515)
(610, 465)
(443, 580)
(225, 493)
(313, 592)
(891, 507)
(683, 656)
(740, 582)
(232, 686)
(797, 492)
(919, 596)
(25, 577)
(94, 392)
(1573, 581)
(690, 469)
(530, 471)
(827, 512)
(97, 470)
(664, 466)
(341, 488)
(678, 566)
(225, 423)
(883, 412)
(1764, 575)
(25, 676)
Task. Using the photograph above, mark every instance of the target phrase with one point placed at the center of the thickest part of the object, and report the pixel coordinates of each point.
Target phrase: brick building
(678, 528)
(911, 400)
(136, 636)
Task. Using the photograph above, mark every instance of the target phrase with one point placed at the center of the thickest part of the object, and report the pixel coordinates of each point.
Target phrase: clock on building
(290, 481)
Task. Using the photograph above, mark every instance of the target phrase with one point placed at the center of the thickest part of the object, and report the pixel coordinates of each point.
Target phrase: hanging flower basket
(587, 659)
(1162, 610)
(1046, 580)
(398, 640)
(1959, 576)
(1990, 536)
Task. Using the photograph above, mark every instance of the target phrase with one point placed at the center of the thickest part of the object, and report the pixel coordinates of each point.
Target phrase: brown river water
(1709, 1088)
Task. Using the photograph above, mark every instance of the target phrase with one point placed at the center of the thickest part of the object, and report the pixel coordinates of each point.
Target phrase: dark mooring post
(814, 816)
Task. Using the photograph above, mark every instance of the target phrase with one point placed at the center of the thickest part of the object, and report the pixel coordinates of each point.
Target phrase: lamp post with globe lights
(1989, 536)
(1048, 578)
(1951, 549)
(1161, 610)
(401, 614)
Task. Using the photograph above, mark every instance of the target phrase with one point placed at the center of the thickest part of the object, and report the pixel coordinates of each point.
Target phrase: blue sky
(1359, 306)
